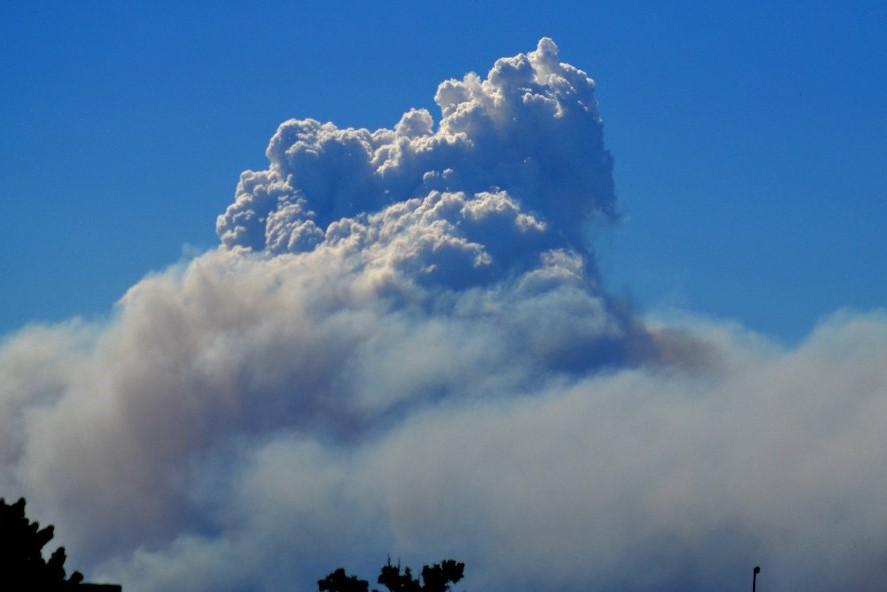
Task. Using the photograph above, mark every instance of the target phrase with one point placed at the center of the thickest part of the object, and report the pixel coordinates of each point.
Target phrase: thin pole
(754, 577)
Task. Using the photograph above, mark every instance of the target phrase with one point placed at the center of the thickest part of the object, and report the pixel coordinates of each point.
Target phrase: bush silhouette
(22, 566)
(435, 578)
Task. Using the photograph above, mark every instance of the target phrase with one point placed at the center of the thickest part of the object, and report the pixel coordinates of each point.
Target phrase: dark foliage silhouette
(339, 581)
(435, 578)
(22, 566)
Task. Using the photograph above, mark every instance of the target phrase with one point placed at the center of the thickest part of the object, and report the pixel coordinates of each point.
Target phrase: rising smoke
(403, 347)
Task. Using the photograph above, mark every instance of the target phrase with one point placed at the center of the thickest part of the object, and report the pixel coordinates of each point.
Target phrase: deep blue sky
(750, 139)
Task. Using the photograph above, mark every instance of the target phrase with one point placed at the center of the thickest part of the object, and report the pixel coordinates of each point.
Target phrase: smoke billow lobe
(529, 133)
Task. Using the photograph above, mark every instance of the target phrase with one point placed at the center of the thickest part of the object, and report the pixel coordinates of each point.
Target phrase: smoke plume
(403, 346)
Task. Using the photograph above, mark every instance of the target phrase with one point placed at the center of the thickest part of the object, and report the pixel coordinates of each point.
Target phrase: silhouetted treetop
(439, 576)
(435, 578)
(338, 581)
(22, 566)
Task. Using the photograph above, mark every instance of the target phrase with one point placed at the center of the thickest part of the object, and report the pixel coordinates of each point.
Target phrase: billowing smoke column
(502, 192)
(514, 153)
(402, 347)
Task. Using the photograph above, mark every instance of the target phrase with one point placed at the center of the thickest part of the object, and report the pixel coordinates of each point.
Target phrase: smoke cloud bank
(402, 347)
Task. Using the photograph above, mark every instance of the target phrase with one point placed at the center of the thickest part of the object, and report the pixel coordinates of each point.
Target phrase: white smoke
(403, 348)
(531, 128)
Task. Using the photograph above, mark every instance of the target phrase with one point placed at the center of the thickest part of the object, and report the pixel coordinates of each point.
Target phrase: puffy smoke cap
(530, 129)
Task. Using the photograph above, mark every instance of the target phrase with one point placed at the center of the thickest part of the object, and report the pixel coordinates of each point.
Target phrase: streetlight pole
(754, 577)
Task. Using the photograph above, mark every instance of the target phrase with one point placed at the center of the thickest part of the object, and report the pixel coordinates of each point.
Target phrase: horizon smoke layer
(402, 346)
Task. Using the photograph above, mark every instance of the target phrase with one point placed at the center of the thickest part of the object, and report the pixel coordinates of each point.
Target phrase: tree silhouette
(339, 581)
(435, 578)
(438, 577)
(22, 566)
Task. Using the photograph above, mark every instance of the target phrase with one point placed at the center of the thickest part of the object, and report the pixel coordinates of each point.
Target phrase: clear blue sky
(750, 138)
